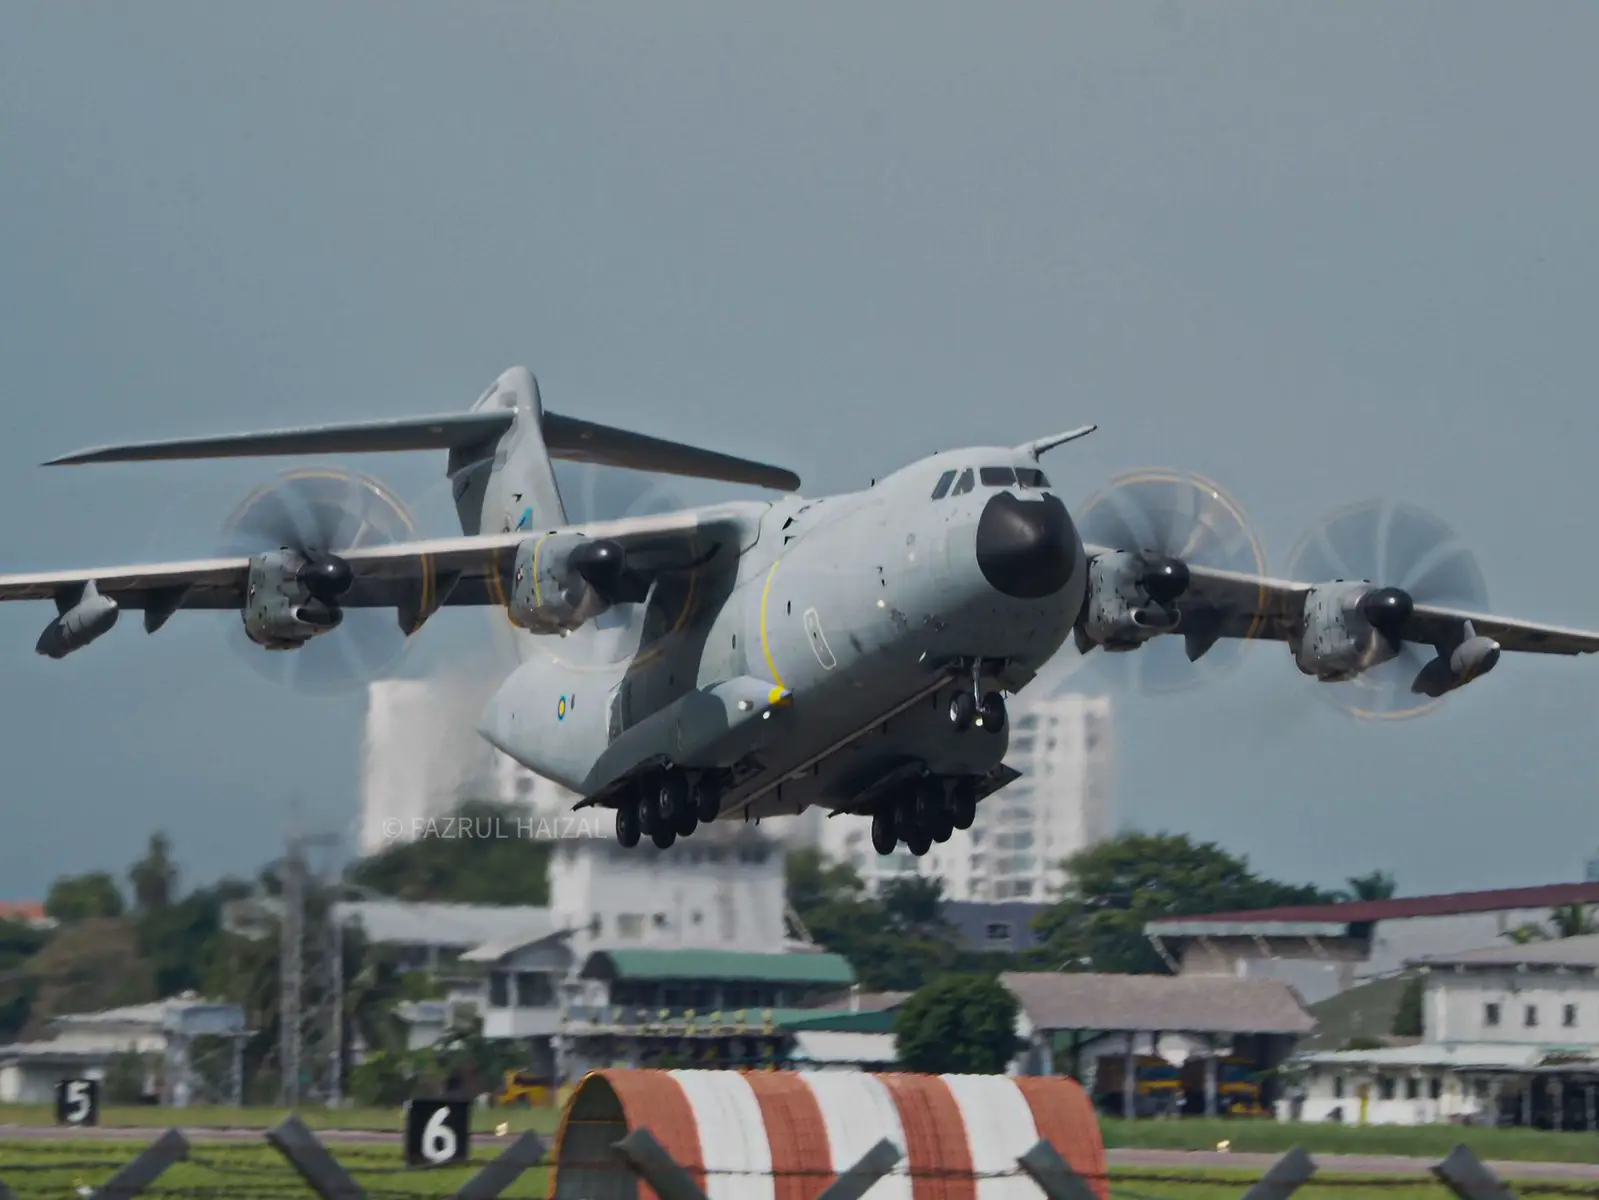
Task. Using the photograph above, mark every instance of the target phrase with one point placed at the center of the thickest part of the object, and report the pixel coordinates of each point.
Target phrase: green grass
(1264, 1136)
(1215, 1184)
(541, 1120)
(37, 1170)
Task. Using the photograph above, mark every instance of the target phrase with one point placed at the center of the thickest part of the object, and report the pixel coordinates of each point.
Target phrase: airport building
(1061, 804)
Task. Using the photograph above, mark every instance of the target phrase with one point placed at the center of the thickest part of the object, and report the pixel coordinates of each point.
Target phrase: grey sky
(1317, 252)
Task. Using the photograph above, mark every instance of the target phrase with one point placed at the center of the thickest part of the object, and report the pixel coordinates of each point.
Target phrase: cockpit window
(944, 480)
(965, 483)
(1031, 477)
(997, 477)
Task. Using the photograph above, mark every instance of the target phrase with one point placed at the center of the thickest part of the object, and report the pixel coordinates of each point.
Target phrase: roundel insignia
(560, 710)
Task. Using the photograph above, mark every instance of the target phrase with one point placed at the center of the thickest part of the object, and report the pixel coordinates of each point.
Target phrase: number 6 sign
(437, 1132)
(78, 1102)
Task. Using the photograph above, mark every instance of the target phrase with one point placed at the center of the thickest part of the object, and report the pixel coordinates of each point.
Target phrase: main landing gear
(974, 707)
(667, 806)
(926, 812)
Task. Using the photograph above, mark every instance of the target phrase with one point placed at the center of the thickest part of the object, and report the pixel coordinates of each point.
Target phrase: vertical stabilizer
(506, 481)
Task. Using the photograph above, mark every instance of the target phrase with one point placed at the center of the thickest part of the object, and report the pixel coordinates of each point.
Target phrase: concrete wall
(1456, 1008)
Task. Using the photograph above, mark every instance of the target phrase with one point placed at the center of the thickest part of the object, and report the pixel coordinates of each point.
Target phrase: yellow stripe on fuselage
(766, 645)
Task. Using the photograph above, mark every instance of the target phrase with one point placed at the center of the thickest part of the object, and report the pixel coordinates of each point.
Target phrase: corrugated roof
(719, 964)
(864, 1002)
(871, 1021)
(1451, 904)
(1578, 952)
(450, 925)
(1507, 1056)
(1158, 1003)
(30, 911)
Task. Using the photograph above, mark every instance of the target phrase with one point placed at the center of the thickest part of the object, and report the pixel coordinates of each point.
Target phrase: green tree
(90, 965)
(958, 1024)
(1378, 885)
(83, 897)
(1565, 921)
(485, 854)
(1408, 1019)
(154, 878)
(179, 936)
(19, 942)
(1120, 885)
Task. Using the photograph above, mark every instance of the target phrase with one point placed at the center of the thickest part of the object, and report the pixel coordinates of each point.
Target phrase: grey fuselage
(852, 608)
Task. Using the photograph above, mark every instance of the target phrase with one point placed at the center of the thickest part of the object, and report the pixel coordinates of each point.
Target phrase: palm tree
(1379, 885)
(1565, 921)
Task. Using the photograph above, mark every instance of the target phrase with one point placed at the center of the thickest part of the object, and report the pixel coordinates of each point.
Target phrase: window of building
(942, 488)
(1530, 1017)
(997, 931)
(965, 484)
(533, 990)
(1490, 1014)
(1385, 1087)
(1569, 1017)
(630, 926)
(499, 990)
(1412, 1088)
(997, 477)
(1338, 1087)
(1435, 1088)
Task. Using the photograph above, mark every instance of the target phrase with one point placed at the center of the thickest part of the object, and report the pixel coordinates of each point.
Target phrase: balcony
(521, 1022)
(679, 1022)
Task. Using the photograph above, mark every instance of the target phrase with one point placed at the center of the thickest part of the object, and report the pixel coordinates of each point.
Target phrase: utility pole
(291, 972)
(311, 1010)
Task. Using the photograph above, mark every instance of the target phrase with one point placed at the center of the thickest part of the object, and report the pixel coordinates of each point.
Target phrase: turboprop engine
(565, 580)
(294, 597)
(1131, 598)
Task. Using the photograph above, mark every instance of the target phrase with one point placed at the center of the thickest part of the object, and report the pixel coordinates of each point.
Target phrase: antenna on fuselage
(1045, 444)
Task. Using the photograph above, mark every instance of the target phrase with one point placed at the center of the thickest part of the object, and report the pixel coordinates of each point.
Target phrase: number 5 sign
(78, 1102)
(437, 1132)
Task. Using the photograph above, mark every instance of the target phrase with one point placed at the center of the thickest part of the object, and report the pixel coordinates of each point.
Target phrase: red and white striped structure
(785, 1135)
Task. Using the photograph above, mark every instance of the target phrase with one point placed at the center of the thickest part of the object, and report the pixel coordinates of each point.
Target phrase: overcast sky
(1319, 253)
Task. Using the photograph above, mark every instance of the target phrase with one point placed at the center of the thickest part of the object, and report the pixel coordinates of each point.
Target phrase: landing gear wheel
(929, 801)
(991, 716)
(687, 821)
(884, 835)
(664, 837)
(707, 799)
(962, 711)
(918, 841)
(963, 803)
(943, 826)
(642, 795)
(671, 799)
(627, 822)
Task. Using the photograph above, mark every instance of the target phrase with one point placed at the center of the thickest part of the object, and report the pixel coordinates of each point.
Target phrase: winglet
(1045, 444)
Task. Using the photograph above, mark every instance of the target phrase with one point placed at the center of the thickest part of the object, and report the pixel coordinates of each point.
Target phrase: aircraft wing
(477, 570)
(1248, 606)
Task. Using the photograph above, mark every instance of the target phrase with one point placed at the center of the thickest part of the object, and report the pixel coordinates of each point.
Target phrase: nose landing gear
(975, 708)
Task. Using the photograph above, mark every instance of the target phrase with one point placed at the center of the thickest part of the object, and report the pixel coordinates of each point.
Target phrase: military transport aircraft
(750, 659)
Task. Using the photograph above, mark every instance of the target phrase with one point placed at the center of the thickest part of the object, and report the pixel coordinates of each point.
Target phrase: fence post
(1468, 1177)
(1054, 1174)
(5, 1192)
(521, 1155)
(171, 1147)
(858, 1180)
(1285, 1176)
(660, 1170)
(320, 1170)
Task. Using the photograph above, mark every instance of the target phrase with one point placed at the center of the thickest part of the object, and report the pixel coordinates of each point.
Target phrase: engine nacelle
(78, 624)
(1472, 659)
(563, 581)
(282, 610)
(1129, 600)
(1349, 628)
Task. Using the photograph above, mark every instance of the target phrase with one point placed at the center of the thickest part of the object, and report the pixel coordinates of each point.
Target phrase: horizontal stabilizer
(405, 433)
(585, 441)
(564, 437)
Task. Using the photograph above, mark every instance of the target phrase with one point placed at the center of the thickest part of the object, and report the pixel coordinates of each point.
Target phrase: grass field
(1421, 1141)
(56, 1170)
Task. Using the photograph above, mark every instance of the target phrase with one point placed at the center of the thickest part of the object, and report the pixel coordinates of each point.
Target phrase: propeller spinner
(1414, 558)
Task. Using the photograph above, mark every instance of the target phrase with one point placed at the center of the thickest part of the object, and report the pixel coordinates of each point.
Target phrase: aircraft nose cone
(1026, 548)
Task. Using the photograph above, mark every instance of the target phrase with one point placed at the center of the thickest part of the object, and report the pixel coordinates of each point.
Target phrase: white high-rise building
(1061, 804)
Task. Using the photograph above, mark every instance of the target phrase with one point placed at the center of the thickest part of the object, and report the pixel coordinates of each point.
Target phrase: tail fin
(500, 453)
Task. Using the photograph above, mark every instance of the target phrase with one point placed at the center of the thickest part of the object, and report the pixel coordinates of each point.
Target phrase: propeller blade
(1176, 519)
(1410, 556)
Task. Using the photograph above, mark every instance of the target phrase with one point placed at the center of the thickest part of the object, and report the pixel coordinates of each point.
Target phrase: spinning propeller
(1169, 518)
(1413, 558)
(315, 513)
